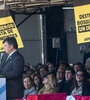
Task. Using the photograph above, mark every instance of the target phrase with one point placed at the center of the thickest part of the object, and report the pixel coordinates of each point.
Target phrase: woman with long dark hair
(82, 86)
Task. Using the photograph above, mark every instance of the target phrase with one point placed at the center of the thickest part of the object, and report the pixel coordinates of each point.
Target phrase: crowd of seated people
(46, 79)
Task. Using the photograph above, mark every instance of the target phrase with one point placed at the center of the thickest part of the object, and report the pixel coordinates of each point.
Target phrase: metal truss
(20, 6)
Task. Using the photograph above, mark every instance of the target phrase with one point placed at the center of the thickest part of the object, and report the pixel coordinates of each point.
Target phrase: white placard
(70, 98)
(2, 88)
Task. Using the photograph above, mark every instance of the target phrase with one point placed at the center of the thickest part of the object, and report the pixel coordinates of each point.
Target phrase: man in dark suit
(12, 69)
(60, 76)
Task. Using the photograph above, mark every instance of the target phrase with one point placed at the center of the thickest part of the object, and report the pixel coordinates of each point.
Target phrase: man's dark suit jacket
(12, 69)
(60, 86)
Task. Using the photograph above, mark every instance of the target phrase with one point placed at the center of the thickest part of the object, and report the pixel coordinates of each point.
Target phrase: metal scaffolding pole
(4, 4)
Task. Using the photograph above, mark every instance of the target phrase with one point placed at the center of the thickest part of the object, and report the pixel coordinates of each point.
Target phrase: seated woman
(82, 86)
(28, 85)
(37, 82)
(49, 82)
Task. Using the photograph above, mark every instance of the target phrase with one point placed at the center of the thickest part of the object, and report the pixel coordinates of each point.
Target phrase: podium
(2, 88)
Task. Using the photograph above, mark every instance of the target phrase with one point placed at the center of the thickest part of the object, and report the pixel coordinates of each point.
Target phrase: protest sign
(8, 29)
(82, 20)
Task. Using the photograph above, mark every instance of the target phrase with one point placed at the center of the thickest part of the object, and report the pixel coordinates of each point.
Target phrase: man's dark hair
(79, 64)
(71, 69)
(45, 67)
(11, 41)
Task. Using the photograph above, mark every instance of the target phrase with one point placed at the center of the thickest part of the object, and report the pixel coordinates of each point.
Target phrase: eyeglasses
(80, 75)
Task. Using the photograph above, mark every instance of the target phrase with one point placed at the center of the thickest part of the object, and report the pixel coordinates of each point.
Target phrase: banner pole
(4, 4)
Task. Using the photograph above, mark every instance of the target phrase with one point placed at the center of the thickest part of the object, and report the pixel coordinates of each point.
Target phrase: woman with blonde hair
(49, 82)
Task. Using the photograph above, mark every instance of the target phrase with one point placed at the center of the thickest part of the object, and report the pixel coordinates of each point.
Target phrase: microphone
(1, 55)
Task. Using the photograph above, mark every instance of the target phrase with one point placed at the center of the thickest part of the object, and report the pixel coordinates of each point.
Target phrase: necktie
(7, 59)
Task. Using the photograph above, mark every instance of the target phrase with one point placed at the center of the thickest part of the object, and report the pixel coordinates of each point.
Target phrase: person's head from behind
(38, 66)
(37, 79)
(63, 66)
(78, 66)
(36, 71)
(87, 65)
(30, 72)
(27, 82)
(60, 75)
(49, 80)
(69, 73)
(26, 68)
(43, 70)
(10, 44)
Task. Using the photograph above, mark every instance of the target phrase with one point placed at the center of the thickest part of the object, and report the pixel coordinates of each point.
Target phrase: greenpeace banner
(8, 29)
(82, 20)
